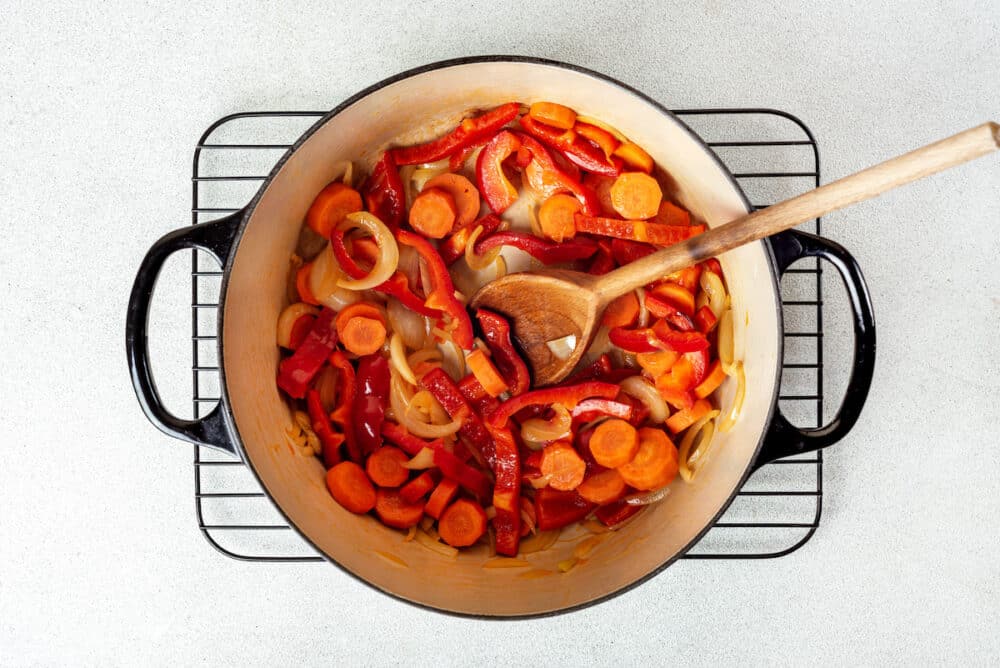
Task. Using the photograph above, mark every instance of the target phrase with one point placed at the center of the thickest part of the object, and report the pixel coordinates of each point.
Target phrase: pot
(254, 245)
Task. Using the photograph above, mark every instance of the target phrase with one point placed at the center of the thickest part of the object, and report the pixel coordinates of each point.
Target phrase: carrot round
(433, 213)
(712, 380)
(686, 417)
(614, 443)
(331, 205)
(655, 464)
(555, 216)
(635, 195)
(395, 512)
(603, 487)
(550, 113)
(486, 373)
(634, 156)
(363, 336)
(350, 487)
(622, 312)
(441, 497)
(385, 466)
(358, 310)
(463, 192)
(563, 466)
(462, 524)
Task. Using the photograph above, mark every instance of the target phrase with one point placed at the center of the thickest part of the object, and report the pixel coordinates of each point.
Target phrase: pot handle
(784, 439)
(217, 238)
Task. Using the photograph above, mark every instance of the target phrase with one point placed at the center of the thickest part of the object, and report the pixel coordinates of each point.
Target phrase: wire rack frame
(781, 503)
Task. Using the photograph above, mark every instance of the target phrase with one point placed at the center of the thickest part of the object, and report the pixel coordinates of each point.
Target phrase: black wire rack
(773, 156)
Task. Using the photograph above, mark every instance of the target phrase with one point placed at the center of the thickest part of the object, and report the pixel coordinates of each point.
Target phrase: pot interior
(408, 111)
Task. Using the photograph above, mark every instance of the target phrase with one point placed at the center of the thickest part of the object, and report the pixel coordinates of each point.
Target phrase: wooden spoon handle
(863, 185)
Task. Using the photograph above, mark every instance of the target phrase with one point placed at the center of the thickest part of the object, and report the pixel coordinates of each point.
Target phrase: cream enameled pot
(254, 246)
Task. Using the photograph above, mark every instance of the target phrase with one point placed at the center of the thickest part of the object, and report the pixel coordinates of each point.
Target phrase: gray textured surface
(99, 558)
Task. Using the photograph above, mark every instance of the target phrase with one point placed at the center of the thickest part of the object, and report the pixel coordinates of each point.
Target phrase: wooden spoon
(548, 305)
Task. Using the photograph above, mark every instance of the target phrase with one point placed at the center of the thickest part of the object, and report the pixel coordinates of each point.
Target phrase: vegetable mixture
(423, 411)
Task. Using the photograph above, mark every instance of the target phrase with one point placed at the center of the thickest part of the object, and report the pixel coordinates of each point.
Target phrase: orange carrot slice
(712, 381)
(614, 443)
(463, 192)
(683, 419)
(433, 213)
(441, 497)
(330, 207)
(563, 466)
(622, 312)
(556, 216)
(635, 157)
(655, 464)
(395, 512)
(603, 487)
(553, 114)
(635, 195)
(350, 487)
(462, 524)
(486, 373)
(385, 466)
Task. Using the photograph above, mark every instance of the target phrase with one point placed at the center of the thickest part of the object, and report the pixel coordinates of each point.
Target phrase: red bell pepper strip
(712, 265)
(371, 392)
(546, 177)
(543, 250)
(469, 132)
(343, 256)
(300, 330)
(458, 158)
(569, 396)
(507, 492)
(635, 340)
(657, 337)
(636, 230)
(498, 192)
(443, 388)
(683, 342)
(660, 306)
(476, 395)
(384, 192)
(597, 370)
(418, 488)
(398, 286)
(626, 251)
(591, 409)
(451, 466)
(496, 331)
(604, 139)
(342, 415)
(615, 513)
(324, 429)
(576, 149)
(603, 261)
(453, 247)
(705, 320)
(555, 509)
(442, 296)
(296, 372)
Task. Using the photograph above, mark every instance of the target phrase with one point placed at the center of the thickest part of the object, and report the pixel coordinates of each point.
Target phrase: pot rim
(247, 213)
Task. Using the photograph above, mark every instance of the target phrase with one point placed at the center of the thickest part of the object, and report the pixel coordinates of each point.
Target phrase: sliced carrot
(363, 336)
(395, 512)
(330, 206)
(683, 419)
(463, 192)
(635, 157)
(418, 487)
(622, 312)
(712, 381)
(614, 443)
(604, 139)
(302, 284)
(601, 185)
(636, 195)
(556, 216)
(350, 487)
(676, 295)
(486, 373)
(671, 214)
(603, 487)
(553, 114)
(385, 466)
(359, 310)
(687, 277)
(462, 524)
(657, 363)
(563, 466)
(655, 464)
(433, 213)
(441, 497)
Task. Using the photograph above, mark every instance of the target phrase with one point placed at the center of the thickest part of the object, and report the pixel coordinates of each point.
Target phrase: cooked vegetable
(553, 114)
(433, 213)
(394, 511)
(636, 195)
(330, 206)
(388, 258)
(622, 312)
(655, 463)
(563, 467)
(555, 217)
(487, 374)
(385, 466)
(464, 194)
(462, 523)
(351, 488)
(603, 487)
(614, 443)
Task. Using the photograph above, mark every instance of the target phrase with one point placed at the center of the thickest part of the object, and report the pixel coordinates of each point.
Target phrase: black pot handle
(217, 238)
(784, 439)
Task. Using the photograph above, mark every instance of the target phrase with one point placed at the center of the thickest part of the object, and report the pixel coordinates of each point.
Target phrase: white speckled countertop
(100, 558)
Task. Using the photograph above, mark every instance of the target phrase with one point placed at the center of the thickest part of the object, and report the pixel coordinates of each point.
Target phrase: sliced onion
(725, 333)
(536, 431)
(288, 318)
(696, 446)
(562, 347)
(716, 291)
(648, 498)
(411, 327)
(422, 460)
(401, 400)
(424, 173)
(700, 300)
(643, 390)
(432, 355)
(425, 402)
(640, 294)
(397, 356)
(406, 176)
(536, 227)
(479, 262)
(539, 481)
(604, 126)
(326, 385)
(388, 257)
(600, 345)
(324, 282)
(436, 545)
(452, 359)
(729, 421)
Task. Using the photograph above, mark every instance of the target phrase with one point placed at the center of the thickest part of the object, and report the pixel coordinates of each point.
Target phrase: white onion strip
(696, 446)
(716, 291)
(537, 431)
(397, 355)
(388, 257)
(479, 262)
(643, 390)
(647, 498)
(729, 421)
(288, 318)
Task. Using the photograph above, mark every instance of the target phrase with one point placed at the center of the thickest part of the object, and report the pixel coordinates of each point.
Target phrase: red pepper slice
(604, 139)
(476, 395)
(547, 178)
(555, 509)
(615, 513)
(568, 395)
(443, 388)
(660, 306)
(603, 261)
(576, 149)
(451, 466)
(636, 230)
(345, 402)
(453, 247)
(498, 192)
(704, 319)
(442, 296)
(595, 371)
(398, 286)
(507, 492)
(543, 250)
(626, 251)
(296, 372)
(324, 429)
(384, 193)
(496, 331)
(635, 340)
(343, 256)
(371, 392)
(682, 342)
(300, 330)
(591, 409)
(468, 132)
